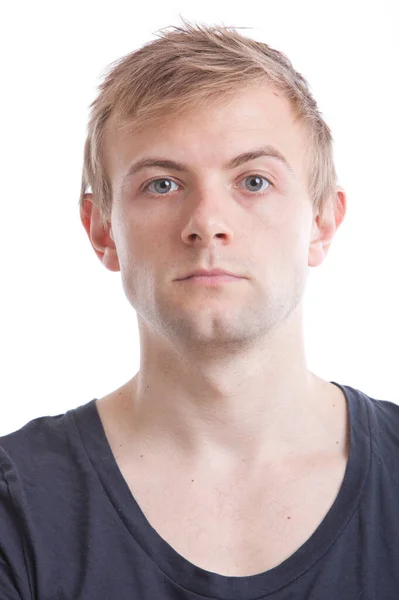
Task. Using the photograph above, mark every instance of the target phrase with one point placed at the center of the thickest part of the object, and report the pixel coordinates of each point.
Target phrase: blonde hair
(188, 67)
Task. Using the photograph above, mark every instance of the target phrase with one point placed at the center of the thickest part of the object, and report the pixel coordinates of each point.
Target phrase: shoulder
(376, 418)
(384, 422)
(379, 409)
(382, 412)
(35, 439)
(42, 446)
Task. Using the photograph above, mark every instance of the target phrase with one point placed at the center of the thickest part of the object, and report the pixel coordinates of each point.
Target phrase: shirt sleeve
(7, 588)
(14, 579)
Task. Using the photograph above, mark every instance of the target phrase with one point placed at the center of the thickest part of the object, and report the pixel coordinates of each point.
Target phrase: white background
(68, 334)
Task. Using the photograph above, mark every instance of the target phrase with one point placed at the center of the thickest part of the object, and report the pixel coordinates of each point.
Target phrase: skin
(223, 374)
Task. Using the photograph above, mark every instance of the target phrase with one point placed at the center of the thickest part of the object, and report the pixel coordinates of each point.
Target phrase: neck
(258, 404)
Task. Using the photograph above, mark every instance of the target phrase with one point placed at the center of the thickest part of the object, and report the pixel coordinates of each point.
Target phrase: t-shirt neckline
(206, 583)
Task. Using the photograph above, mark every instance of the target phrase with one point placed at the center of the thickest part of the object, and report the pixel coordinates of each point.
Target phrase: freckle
(141, 455)
(334, 405)
(337, 442)
(192, 480)
(288, 517)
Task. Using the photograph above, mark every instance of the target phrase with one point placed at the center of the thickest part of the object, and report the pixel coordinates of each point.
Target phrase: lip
(217, 273)
(210, 280)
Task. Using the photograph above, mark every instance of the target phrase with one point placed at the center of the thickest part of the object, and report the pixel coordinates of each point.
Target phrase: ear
(324, 228)
(100, 236)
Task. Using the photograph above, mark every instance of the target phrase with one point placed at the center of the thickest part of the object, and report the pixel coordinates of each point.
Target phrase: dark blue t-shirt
(70, 528)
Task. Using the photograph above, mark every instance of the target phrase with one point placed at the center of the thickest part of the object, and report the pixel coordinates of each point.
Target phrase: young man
(224, 469)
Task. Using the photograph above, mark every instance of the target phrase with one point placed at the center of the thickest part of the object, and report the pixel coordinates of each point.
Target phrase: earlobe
(324, 229)
(317, 247)
(101, 238)
(341, 205)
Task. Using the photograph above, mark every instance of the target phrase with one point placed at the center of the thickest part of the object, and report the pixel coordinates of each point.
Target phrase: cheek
(285, 247)
(139, 254)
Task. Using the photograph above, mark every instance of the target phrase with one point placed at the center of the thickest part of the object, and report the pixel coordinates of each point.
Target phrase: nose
(207, 221)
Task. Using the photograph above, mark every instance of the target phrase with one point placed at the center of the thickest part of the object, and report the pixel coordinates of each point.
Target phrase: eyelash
(262, 193)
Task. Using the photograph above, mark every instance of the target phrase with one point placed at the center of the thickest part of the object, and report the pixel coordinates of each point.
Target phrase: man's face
(254, 220)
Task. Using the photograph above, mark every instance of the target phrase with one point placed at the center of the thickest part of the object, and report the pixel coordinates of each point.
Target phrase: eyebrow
(237, 161)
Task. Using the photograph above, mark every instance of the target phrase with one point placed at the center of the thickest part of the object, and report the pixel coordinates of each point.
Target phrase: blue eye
(164, 185)
(162, 189)
(256, 181)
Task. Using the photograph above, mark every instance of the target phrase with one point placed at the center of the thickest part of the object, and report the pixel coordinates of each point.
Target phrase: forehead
(210, 135)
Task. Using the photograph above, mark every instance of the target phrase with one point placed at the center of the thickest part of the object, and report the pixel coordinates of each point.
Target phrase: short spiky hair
(184, 68)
